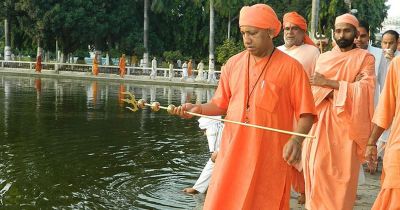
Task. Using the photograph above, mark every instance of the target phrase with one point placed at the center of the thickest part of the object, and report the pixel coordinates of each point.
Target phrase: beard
(343, 43)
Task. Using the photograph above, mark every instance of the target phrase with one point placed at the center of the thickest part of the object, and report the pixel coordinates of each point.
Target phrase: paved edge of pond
(105, 77)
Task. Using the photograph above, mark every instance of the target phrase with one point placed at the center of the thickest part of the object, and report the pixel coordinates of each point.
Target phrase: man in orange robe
(95, 65)
(266, 87)
(297, 43)
(386, 114)
(300, 47)
(122, 64)
(344, 103)
(38, 66)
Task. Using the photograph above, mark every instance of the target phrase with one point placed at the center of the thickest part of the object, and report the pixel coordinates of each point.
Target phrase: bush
(227, 50)
(172, 55)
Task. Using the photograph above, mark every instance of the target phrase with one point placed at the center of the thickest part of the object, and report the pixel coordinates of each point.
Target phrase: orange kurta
(388, 113)
(122, 66)
(190, 68)
(307, 55)
(332, 160)
(250, 172)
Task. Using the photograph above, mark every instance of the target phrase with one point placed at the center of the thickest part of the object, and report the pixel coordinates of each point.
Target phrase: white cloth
(214, 130)
(200, 71)
(185, 70)
(171, 71)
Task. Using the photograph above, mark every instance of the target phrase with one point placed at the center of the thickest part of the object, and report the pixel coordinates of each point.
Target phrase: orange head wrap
(347, 18)
(298, 20)
(260, 16)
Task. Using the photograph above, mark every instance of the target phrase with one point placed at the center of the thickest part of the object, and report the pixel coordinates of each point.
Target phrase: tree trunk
(229, 25)
(7, 47)
(211, 64)
(314, 17)
(146, 33)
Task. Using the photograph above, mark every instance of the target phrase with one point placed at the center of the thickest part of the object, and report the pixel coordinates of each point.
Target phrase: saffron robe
(250, 172)
(122, 66)
(307, 55)
(388, 113)
(331, 161)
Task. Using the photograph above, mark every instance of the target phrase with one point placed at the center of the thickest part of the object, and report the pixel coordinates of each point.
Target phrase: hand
(214, 156)
(317, 79)
(190, 190)
(292, 151)
(359, 77)
(388, 53)
(371, 156)
(181, 110)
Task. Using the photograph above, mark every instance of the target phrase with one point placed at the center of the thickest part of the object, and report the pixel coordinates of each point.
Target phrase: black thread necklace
(259, 76)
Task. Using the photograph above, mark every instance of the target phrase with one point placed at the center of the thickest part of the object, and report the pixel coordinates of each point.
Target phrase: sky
(394, 8)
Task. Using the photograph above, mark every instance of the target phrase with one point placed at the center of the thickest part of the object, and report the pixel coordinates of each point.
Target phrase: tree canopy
(174, 25)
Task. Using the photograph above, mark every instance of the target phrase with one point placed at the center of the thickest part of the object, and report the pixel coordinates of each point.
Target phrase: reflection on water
(72, 144)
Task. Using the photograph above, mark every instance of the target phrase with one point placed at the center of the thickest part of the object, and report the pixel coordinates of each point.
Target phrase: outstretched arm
(209, 109)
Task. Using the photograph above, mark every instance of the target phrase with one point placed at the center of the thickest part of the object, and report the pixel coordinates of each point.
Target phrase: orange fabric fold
(250, 172)
(332, 160)
(298, 20)
(260, 16)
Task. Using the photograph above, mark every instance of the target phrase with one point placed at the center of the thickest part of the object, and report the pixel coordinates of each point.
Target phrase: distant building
(390, 23)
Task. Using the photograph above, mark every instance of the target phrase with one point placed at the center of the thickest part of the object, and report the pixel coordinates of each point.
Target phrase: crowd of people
(186, 69)
(345, 98)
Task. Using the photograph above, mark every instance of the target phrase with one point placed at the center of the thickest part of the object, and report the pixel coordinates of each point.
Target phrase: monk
(122, 64)
(331, 161)
(297, 43)
(38, 66)
(300, 47)
(190, 68)
(261, 85)
(95, 69)
(386, 114)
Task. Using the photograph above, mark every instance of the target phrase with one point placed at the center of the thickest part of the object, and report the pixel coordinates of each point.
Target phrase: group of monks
(293, 87)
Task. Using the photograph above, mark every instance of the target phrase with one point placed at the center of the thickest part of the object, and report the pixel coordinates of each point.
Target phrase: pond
(71, 144)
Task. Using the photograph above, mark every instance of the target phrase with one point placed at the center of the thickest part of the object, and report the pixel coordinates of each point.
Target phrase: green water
(70, 144)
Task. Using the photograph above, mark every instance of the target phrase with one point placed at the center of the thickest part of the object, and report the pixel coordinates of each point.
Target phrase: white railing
(107, 69)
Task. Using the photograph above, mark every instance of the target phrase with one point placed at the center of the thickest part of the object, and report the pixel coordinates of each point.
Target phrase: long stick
(240, 123)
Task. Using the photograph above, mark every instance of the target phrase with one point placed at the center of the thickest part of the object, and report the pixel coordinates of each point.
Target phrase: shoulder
(286, 62)
(311, 49)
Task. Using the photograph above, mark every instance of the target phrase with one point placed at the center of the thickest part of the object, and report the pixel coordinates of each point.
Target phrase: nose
(246, 39)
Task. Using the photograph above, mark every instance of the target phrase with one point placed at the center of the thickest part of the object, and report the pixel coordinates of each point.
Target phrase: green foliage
(174, 25)
(227, 50)
(172, 55)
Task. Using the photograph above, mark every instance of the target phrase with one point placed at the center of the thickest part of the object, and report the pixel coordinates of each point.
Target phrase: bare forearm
(376, 133)
(211, 109)
(303, 126)
(332, 84)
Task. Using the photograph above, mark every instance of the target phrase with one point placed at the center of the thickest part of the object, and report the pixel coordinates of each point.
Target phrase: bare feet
(190, 190)
(301, 199)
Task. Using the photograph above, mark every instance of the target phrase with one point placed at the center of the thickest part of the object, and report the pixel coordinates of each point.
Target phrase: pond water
(71, 144)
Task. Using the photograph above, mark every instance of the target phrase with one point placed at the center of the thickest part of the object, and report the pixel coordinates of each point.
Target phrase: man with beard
(345, 106)
(263, 86)
(300, 47)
